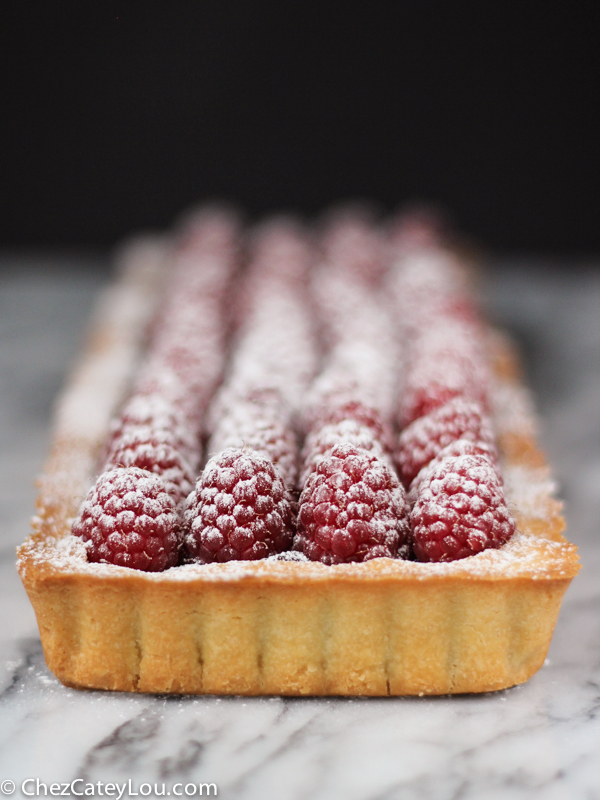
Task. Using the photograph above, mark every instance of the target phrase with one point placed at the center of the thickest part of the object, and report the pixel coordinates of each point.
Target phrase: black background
(116, 115)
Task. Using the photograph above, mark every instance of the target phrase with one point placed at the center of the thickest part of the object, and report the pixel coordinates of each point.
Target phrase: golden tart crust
(386, 627)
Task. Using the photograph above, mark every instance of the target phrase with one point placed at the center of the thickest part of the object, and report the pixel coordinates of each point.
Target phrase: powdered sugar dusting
(241, 507)
(424, 438)
(529, 489)
(118, 328)
(360, 367)
(460, 510)
(274, 355)
(352, 507)
(514, 410)
(356, 376)
(151, 446)
(526, 556)
(238, 511)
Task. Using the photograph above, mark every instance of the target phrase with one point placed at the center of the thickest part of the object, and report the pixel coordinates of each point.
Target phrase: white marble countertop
(538, 740)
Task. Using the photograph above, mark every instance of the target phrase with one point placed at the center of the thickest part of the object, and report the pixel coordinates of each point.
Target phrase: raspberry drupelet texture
(352, 508)
(130, 520)
(274, 354)
(154, 450)
(460, 511)
(358, 379)
(280, 260)
(185, 361)
(429, 284)
(259, 422)
(274, 346)
(131, 517)
(321, 441)
(443, 362)
(187, 351)
(155, 412)
(424, 438)
(238, 510)
(339, 407)
(461, 447)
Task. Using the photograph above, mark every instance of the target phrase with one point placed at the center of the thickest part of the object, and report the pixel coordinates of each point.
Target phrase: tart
(283, 624)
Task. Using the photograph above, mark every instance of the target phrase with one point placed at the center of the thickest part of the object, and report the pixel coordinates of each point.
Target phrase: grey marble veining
(538, 740)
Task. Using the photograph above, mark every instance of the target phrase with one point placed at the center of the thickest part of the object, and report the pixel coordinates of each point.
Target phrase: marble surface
(538, 740)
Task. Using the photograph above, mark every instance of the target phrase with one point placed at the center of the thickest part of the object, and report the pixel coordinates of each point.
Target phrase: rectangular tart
(385, 627)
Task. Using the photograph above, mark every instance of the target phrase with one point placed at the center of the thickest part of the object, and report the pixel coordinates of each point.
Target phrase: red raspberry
(460, 511)
(186, 378)
(238, 510)
(280, 252)
(320, 442)
(429, 284)
(259, 422)
(437, 381)
(353, 244)
(185, 361)
(421, 313)
(335, 410)
(418, 229)
(352, 509)
(156, 412)
(462, 447)
(424, 438)
(152, 450)
(444, 362)
(128, 519)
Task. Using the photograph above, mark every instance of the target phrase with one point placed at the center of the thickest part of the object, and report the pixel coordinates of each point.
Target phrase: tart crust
(386, 627)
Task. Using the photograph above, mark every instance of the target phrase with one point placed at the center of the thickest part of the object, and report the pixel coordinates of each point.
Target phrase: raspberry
(209, 231)
(186, 370)
(460, 511)
(424, 438)
(238, 510)
(358, 380)
(186, 354)
(418, 229)
(353, 243)
(153, 450)
(348, 431)
(352, 509)
(275, 349)
(461, 447)
(280, 252)
(259, 422)
(157, 413)
(128, 519)
(444, 362)
(429, 283)
(335, 410)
